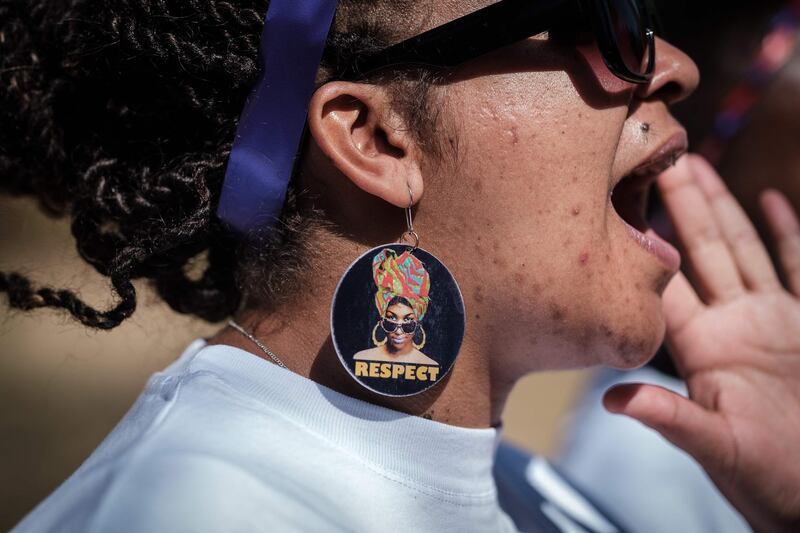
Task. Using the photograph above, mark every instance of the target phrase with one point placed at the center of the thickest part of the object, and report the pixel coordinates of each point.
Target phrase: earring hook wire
(410, 221)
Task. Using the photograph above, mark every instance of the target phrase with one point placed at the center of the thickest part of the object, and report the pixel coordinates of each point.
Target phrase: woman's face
(529, 216)
(398, 340)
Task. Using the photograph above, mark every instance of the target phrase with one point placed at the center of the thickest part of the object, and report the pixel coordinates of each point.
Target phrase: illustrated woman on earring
(402, 300)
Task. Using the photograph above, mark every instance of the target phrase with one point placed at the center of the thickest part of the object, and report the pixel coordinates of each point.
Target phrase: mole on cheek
(584, 258)
(576, 210)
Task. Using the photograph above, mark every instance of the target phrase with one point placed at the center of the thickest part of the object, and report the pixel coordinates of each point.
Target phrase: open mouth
(631, 195)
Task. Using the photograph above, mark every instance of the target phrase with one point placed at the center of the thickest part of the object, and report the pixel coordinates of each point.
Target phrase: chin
(636, 344)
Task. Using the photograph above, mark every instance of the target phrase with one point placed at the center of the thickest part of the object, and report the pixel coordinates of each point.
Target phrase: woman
(402, 299)
(533, 159)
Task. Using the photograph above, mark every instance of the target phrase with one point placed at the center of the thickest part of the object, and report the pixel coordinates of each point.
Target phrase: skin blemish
(645, 127)
(557, 312)
(630, 349)
(625, 347)
(479, 294)
(576, 210)
(512, 133)
(584, 258)
(499, 262)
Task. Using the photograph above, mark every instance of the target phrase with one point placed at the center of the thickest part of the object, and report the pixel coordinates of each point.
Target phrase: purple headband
(271, 126)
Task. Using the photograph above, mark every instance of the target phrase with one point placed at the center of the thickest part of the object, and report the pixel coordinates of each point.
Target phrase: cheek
(581, 316)
(531, 138)
(606, 301)
(535, 163)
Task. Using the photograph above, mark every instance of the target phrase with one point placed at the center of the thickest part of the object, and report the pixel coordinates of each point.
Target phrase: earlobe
(355, 126)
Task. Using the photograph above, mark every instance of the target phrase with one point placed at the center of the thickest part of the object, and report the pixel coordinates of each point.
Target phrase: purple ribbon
(271, 126)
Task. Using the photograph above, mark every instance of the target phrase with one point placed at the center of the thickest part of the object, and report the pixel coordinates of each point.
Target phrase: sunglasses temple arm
(484, 30)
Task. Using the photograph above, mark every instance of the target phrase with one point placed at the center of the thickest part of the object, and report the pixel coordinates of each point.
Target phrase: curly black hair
(120, 114)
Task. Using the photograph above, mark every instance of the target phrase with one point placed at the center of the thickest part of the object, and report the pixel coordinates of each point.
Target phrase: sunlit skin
(399, 346)
(519, 208)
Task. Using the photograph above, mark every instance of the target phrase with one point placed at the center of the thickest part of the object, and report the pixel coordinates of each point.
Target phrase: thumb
(702, 433)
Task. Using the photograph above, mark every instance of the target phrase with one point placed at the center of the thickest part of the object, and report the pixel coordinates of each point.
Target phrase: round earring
(375, 340)
(424, 339)
(404, 277)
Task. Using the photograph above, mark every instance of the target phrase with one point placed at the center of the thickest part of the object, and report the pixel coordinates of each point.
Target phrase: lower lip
(397, 340)
(651, 242)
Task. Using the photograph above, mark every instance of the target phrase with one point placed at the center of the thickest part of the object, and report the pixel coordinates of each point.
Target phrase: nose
(675, 76)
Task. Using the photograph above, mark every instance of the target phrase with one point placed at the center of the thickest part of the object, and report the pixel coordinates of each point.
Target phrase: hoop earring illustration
(424, 339)
(375, 340)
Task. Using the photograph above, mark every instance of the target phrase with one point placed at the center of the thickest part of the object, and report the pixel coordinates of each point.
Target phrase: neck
(299, 334)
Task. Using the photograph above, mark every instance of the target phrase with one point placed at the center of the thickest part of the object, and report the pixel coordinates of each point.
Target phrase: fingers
(693, 219)
(749, 253)
(681, 304)
(785, 227)
(702, 433)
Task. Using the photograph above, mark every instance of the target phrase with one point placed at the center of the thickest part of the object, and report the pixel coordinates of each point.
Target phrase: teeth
(653, 168)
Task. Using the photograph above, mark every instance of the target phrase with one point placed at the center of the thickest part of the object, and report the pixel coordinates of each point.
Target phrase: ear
(355, 127)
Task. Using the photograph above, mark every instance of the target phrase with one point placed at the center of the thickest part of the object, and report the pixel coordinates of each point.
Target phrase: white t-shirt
(225, 441)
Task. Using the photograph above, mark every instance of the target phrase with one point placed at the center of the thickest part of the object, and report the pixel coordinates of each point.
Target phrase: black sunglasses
(624, 30)
(390, 326)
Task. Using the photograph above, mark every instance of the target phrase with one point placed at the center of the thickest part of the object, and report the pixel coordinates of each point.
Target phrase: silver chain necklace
(257, 342)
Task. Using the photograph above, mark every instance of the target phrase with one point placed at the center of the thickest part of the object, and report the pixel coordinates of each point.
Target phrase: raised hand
(736, 342)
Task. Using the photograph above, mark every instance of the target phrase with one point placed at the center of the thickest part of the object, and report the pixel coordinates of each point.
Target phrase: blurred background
(62, 387)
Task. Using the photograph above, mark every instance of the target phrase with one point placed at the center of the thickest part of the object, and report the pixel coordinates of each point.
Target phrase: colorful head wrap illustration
(403, 276)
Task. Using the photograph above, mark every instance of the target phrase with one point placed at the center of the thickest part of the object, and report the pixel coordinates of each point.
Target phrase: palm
(740, 364)
(738, 332)
(738, 348)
